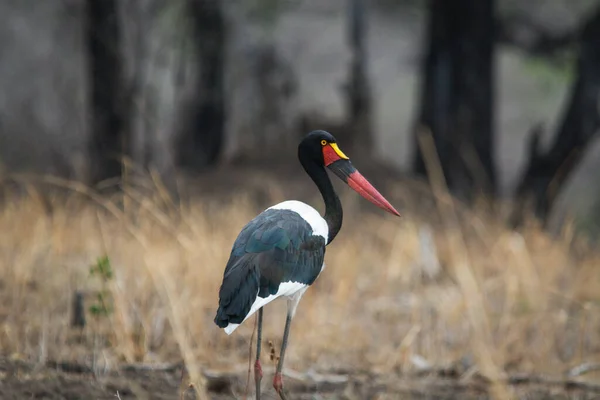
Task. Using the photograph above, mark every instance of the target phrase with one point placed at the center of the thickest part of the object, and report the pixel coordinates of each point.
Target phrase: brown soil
(23, 380)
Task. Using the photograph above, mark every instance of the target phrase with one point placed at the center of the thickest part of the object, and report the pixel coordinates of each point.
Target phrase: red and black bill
(344, 170)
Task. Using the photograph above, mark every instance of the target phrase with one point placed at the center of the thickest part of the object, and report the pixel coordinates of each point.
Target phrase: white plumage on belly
(292, 290)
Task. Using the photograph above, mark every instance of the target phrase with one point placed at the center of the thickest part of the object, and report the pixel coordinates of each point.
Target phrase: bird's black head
(319, 149)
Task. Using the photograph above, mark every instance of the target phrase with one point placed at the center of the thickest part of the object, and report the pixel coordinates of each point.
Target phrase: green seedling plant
(102, 270)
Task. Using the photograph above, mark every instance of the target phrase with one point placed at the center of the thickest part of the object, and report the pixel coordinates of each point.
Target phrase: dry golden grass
(509, 301)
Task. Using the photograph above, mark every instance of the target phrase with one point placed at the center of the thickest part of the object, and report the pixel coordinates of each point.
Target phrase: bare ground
(24, 380)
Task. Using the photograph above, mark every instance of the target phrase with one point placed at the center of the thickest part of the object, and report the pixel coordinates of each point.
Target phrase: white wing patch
(293, 290)
(309, 214)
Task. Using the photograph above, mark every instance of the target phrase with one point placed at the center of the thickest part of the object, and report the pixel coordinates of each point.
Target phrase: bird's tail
(237, 294)
(221, 319)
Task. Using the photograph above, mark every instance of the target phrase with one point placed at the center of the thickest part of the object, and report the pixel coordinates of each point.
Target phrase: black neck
(333, 206)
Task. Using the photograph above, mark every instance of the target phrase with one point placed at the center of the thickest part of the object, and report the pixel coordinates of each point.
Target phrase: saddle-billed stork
(280, 252)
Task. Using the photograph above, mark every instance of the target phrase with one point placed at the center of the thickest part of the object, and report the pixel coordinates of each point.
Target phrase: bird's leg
(258, 374)
(278, 380)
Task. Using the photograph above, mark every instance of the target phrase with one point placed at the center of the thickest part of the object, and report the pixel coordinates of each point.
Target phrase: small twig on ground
(566, 383)
(165, 367)
(117, 395)
(583, 369)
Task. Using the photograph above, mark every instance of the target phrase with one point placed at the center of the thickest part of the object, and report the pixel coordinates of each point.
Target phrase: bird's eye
(323, 142)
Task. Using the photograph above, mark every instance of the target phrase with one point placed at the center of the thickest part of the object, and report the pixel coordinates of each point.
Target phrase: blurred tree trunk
(137, 36)
(108, 114)
(547, 172)
(359, 129)
(457, 96)
(201, 142)
(262, 95)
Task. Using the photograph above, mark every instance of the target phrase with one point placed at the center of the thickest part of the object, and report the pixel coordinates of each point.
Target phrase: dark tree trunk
(201, 143)
(458, 94)
(108, 133)
(546, 172)
(358, 133)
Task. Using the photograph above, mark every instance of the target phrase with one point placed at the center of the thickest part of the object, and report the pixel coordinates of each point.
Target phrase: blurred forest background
(198, 84)
(496, 100)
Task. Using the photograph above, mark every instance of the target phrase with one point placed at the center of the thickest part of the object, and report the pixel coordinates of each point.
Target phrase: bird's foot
(258, 374)
(278, 385)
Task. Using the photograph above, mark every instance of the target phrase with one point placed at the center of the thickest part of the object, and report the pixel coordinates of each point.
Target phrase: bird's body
(281, 252)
